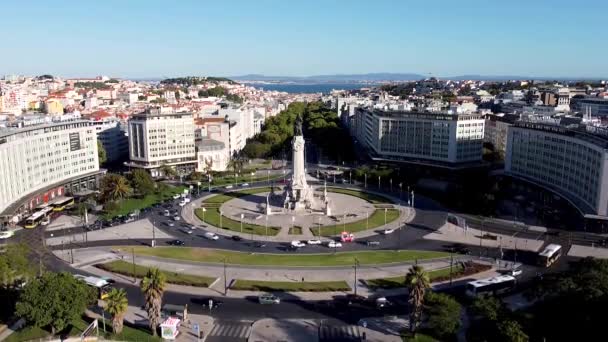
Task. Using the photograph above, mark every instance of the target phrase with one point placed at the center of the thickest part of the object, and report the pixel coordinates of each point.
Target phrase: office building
(571, 161)
(449, 140)
(162, 139)
(41, 162)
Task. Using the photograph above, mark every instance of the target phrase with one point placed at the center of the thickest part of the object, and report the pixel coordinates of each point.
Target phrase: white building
(572, 162)
(162, 139)
(420, 137)
(211, 154)
(40, 162)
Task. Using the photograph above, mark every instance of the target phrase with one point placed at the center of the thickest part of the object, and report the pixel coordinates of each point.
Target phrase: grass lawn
(295, 230)
(225, 180)
(212, 217)
(375, 220)
(129, 205)
(126, 268)
(128, 333)
(262, 259)
(290, 286)
(372, 198)
(235, 194)
(436, 275)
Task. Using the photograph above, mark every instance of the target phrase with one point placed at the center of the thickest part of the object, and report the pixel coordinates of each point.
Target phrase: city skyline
(301, 39)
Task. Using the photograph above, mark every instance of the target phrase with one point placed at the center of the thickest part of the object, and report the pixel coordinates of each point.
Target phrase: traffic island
(138, 271)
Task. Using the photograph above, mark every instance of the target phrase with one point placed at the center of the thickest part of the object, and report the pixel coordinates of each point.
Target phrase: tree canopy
(55, 300)
(114, 187)
(101, 153)
(442, 315)
(142, 182)
(196, 80)
(15, 265)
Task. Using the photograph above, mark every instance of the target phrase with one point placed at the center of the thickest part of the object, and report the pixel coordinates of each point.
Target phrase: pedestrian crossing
(229, 331)
(338, 333)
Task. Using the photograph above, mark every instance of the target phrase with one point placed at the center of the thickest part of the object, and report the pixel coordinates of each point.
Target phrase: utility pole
(133, 255)
(451, 263)
(355, 285)
(225, 279)
(365, 180)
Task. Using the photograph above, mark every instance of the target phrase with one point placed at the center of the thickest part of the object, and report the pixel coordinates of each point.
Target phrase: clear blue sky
(304, 37)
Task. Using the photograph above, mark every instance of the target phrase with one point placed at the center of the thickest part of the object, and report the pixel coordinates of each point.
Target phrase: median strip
(206, 255)
(127, 269)
(289, 286)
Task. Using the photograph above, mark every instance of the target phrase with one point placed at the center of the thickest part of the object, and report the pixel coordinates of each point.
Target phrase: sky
(548, 38)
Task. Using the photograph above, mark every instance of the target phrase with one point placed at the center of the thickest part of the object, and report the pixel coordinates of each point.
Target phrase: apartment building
(157, 139)
(420, 137)
(571, 161)
(39, 162)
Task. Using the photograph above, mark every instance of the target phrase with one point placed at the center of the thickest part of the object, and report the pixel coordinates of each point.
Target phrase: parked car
(176, 243)
(259, 245)
(166, 213)
(187, 199)
(382, 303)
(7, 234)
(182, 203)
(236, 238)
(334, 244)
(228, 187)
(314, 242)
(176, 196)
(211, 236)
(269, 299)
(187, 231)
(297, 244)
(170, 224)
(388, 231)
(176, 218)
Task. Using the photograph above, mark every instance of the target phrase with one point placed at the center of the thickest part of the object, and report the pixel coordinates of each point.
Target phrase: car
(236, 238)
(7, 234)
(373, 243)
(245, 185)
(166, 213)
(128, 219)
(176, 243)
(186, 199)
(228, 187)
(313, 242)
(187, 231)
(297, 244)
(334, 244)
(259, 245)
(176, 196)
(176, 218)
(182, 203)
(382, 303)
(45, 221)
(208, 302)
(211, 236)
(170, 224)
(516, 272)
(388, 231)
(269, 299)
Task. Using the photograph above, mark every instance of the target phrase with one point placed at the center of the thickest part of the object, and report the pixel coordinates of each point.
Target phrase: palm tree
(153, 286)
(114, 187)
(116, 305)
(417, 281)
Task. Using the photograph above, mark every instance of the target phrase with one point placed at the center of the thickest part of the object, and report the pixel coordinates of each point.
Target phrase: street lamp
(400, 191)
(350, 177)
(367, 220)
(252, 177)
(378, 182)
(221, 220)
(365, 180)
(391, 184)
(242, 217)
(385, 209)
(153, 234)
(355, 285)
(225, 279)
(209, 180)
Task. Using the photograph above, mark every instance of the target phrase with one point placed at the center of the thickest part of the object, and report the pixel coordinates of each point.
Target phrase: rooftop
(4, 132)
(591, 134)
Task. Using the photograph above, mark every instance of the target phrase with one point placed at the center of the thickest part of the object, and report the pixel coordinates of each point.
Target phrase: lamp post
(235, 178)
(365, 180)
(355, 284)
(209, 180)
(242, 217)
(378, 182)
(267, 176)
(153, 234)
(413, 199)
(221, 220)
(400, 191)
(251, 181)
(225, 279)
(367, 220)
(385, 209)
(391, 184)
(350, 177)
(266, 224)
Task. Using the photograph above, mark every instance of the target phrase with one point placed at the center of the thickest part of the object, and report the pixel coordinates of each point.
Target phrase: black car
(236, 238)
(176, 243)
(204, 302)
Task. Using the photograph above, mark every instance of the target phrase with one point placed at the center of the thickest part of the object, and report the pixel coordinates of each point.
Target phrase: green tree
(510, 331)
(443, 315)
(142, 182)
(168, 171)
(196, 176)
(55, 300)
(15, 265)
(117, 305)
(153, 286)
(114, 187)
(101, 153)
(417, 281)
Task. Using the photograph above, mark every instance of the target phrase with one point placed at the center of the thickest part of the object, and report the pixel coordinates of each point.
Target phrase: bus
(490, 286)
(37, 217)
(103, 286)
(549, 255)
(62, 203)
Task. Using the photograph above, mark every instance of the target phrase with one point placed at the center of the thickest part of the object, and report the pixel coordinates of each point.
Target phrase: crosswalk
(229, 331)
(338, 333)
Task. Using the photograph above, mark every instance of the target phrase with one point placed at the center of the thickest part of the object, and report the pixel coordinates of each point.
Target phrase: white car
(228, 187)
(334, 244)
(298, 244)
(388, 231)
(182, 203)
(7, 234)
(186, 199)
(245, 184)
(166, 213)
(314, 242)
(211, 236)
(176, 218)
(176, 196)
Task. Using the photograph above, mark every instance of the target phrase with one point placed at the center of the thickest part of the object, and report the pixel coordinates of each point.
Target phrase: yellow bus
(63, 203)
(37, 217)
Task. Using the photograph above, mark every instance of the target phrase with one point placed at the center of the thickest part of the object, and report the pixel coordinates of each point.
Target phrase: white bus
(490, 286)
(102, 285)
(549, 255)
(37, 217)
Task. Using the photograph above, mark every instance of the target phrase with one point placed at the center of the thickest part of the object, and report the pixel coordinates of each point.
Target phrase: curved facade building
(40, 162)
(572, 162)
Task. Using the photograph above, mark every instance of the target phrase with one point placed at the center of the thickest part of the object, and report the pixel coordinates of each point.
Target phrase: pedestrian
(302, 279)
